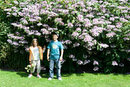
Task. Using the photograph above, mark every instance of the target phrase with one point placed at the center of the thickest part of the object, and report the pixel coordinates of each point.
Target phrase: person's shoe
(49, 78)
(60, 78)
(30, 75)
(38, 76)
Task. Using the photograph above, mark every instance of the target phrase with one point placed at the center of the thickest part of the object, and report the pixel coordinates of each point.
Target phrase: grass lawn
(19, 79)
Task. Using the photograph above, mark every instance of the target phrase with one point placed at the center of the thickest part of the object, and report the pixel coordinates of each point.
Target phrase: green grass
(19, 79)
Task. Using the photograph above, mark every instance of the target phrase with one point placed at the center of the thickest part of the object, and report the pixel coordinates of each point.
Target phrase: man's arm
(48, 53)
(61, 57)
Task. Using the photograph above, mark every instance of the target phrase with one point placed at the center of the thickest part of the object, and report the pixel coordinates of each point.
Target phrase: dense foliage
(95, 33)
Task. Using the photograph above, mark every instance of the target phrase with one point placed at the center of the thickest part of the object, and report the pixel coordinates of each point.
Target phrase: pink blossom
(39, 24)
(68, 42)
(15, 43)
(123, 20)
(37, 33)
(70, 25)
(127, 16)
(27, 49)
(44, 31)
(77, 24)
(16, 2)
(119, 25)
(23, 42)
(96, 31)
(103, 45)
(43, 68)
(74, 59)
(124, 11)
(24, 21)
(81, 36)
(95, 68)
(84, 10)
(14, 8)
(64, 11)
(74, 12)
(111, 26)
(87, 38)
(15, 37)
(111, 34)
(98, 21)
(84, 30)
(14, 14)
(114, 63)
(80, 18)
(86, 62)
(45, 25)
(121, 7)
(112, 19)
(32, 20)
(81, 3)
(95, 62)
(126, 38)
(76, 44)
(87, 23)
(89, 8)
(37, 18)
(78, 29)
(75, 34)
(8, 9)
(20, 13)
(58, 19)
(65, 47)
(80, 62)
(71, 56)
(9, 41)
(102, 7)
(90, 44)
(90, 15)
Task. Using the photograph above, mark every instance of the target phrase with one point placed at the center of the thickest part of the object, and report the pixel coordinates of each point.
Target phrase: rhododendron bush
(93, 32)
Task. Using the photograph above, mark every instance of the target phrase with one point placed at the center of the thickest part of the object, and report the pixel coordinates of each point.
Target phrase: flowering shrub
(93, 32)
(4, 46)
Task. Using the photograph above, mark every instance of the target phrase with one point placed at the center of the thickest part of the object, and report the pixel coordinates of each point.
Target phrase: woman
(35, 55)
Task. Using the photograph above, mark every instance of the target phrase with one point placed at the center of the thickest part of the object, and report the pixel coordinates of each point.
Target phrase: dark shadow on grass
(46, 74)
(22, 74)
(116, 74)
(25, 74)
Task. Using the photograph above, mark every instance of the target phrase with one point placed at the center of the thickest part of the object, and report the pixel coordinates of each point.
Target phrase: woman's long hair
(32, 44)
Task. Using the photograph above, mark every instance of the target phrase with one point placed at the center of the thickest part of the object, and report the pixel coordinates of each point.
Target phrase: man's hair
(54, 33)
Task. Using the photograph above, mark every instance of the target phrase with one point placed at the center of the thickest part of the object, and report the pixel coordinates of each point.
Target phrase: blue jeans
(58, 67)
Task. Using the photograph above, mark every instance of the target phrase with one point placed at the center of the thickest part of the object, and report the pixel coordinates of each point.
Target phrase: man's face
(55, 37)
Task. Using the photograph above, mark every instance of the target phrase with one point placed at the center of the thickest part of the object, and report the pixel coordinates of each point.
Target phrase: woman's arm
(41, 52)
(30, 53)
(44, 48)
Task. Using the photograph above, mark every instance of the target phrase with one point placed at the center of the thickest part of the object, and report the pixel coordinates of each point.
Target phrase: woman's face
(35, 43)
